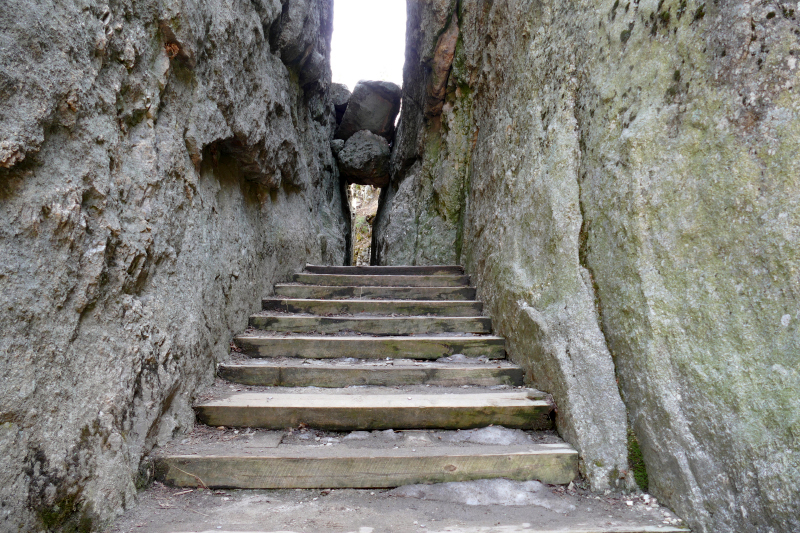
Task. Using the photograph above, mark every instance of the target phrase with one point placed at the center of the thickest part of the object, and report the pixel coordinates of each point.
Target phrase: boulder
(365, 159)
(340, 95)
(373, 106)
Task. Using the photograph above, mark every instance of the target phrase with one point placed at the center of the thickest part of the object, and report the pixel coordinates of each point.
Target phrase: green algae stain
(636, 461)
(66, 515)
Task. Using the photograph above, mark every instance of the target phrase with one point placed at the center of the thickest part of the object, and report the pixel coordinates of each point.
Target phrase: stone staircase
(369, 377)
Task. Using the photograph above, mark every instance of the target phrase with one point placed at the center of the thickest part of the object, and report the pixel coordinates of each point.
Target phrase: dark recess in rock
(340, 95)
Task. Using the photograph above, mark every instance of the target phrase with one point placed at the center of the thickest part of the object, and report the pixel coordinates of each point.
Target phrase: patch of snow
(357, 435)
(487, 492)
(461, 358)
(497, 435)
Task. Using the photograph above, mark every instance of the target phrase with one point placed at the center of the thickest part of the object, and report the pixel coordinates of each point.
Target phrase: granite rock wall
(162, 165)
(628, 207)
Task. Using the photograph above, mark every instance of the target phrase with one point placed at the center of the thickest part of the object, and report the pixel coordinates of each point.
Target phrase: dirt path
(171, 510)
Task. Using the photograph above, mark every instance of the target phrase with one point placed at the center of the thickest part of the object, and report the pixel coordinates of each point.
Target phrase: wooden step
(382, 280)
(291, 290)
(402, 372)
(377, 410)
(386, 270)
(381, 325)
(290, 467)
(374, 307)
(366, 347)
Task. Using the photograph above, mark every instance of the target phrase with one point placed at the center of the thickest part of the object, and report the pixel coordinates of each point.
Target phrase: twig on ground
(202, 484)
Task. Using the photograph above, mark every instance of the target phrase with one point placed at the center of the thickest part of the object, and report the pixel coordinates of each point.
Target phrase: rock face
(364, 160)
(620, 179)
(373, 106)
(161, 164)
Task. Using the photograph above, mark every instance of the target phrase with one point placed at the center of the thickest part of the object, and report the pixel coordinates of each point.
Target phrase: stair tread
(354, 398)
(337, 373)
(364, 317)
(299, 290)
(370, 324)
(313, 450)
(395, 364)
(262, 460)
(382, 301)
(370, 280)
(320, 306)
(368, 408)
(385, 270)
(427, 346)
(434, 337)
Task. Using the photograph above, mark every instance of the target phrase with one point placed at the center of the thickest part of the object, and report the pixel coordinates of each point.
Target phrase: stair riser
(382, 281)
(387, 377)
(386, 270)
(371, 326)
(369, 418)
(375, 307)
(390, 293)
(371, 472)
(369, 348)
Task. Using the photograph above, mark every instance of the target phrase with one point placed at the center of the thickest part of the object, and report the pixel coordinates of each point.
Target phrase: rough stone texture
(336, 146)
(164, 163)
(420, 213)
(365, 159)
(373, 106)
(340, 95)
(631, 173)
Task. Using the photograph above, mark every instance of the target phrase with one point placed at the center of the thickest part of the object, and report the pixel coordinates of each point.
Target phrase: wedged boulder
(365, 159)
(340, 95)
(373, 106)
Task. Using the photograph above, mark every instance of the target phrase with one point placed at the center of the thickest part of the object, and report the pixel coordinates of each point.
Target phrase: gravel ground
(163, 509)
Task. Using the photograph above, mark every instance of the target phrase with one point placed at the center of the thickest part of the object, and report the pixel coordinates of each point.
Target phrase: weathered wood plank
(382, 280)
(288, 290)
(412, 347)
(374, 307)
(333, 467)
(346, 412)
(386, 270)
(338, 375)
(386, 325)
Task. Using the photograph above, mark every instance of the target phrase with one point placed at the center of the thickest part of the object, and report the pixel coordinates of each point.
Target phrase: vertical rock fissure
(633, 475)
